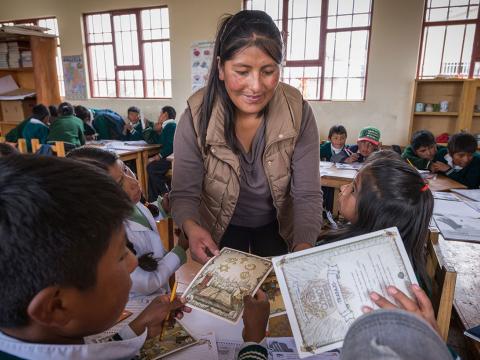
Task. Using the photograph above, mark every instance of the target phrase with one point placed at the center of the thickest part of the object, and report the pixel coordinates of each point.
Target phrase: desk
(464, 257)
(335, 178)
(139, 153)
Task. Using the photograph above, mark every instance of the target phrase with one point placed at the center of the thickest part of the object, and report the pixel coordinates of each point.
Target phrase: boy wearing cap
(135, 126)
(37, 126)
(368, 142)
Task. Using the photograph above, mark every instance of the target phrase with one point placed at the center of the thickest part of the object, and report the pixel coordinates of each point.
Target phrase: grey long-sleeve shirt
(304, 187)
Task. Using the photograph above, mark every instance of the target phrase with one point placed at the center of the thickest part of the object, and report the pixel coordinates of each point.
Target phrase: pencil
(172, 297)
(410, 163)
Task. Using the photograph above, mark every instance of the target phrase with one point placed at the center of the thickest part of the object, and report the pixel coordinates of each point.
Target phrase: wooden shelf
(18, 69)
(440, 80)
(476, 114)
(436, 113)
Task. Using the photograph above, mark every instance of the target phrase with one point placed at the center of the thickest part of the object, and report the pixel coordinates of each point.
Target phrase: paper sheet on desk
(284, 348)
(473, 194)
(454, 208)
(205, 349)
(462, 228)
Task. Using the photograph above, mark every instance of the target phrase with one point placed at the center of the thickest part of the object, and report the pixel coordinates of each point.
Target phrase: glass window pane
(362, 6)
(440, 14)
(126, 41)
(345, 7)
(313, 39)
(433, 40)
(297, 8)
(458, 13)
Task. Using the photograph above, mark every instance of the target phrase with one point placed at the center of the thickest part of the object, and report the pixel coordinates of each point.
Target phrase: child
(334, 149)
(37, 126)
(67, 127)
(155, 264)
(422, 150)
(65, 268)
(385, 193)
(460, 161)
(135, 126)
(367, 143)
(87, 117)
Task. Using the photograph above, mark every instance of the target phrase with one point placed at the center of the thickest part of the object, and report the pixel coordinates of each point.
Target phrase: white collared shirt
(335, 150)
(123, 349)
(166, 122)
(450, 163)
(36, 121)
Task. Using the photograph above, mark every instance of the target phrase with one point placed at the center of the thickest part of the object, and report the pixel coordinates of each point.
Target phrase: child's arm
(255, 319)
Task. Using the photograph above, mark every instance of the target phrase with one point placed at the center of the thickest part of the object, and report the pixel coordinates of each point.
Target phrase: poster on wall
(202, 53)
(74, 77)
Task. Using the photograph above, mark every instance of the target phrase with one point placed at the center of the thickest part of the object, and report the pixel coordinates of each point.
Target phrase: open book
(325, 288)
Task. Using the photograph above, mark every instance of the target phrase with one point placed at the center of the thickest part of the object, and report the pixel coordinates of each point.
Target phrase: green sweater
(326, 151)
(35, 129)
(138, 133)
(68, 129)
(469, 175)
(420, 163)
(164, 138)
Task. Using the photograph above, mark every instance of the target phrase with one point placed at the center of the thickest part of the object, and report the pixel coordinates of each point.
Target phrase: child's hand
(352, 158)
(166, 202)
(255, 317)
(438, 166)
(152, 317)
(421, 306)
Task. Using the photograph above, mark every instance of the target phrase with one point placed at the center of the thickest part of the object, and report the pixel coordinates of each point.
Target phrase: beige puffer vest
(221, 182)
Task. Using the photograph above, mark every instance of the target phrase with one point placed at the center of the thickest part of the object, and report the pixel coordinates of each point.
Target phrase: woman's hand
(301, 246)
(420, 306)
(255, 317)
(201, 244)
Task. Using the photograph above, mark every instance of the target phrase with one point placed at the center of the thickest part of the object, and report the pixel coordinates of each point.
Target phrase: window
(326, 42)
(448, 38)
(129, 53)
(52, 26)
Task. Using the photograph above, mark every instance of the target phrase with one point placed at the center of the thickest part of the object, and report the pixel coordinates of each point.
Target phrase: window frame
(475, 47)
(324, 31)
(141, 57)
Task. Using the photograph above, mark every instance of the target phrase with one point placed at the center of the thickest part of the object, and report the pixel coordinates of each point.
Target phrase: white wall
(395, 39)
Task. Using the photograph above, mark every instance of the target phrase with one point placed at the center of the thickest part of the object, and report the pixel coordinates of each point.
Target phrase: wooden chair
(58, 148)
(22, 146)
(165, 229)
(2, 139)
(443, 279)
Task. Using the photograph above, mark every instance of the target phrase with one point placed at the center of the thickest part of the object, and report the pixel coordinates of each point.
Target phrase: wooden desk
(335, 178)
(464, 257)
(6, 126)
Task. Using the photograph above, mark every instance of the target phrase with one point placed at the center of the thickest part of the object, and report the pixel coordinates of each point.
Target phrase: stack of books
(26, 57)
(13, 55)
(3, 56)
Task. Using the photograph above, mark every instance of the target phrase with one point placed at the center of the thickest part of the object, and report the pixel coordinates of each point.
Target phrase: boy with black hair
(37, 126)
(422, 150)
(460, 161)
(334, 149)
(65, 268)
(135, 127)
(158, 166)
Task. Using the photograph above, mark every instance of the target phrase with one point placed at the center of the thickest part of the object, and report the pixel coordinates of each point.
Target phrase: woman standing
(246, 151)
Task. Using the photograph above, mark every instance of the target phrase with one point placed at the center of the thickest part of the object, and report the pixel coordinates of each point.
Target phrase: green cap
(370, 134)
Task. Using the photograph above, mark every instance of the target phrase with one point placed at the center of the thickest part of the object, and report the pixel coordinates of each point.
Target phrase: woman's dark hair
(392, 193)
(65, 109)
(337, 129)
(462, 142)
(244, 29)
(82, 113)
(422, 138)
(104, 159)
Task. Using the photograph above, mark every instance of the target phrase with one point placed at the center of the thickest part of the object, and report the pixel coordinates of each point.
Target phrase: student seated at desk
(108, 124)
(334, 149)
(155, 264)
(158, 165)
(368, 142)
(422, 150)
(37, 126)
(460, 161)
(135, 126)
(67, 127)
(87, 117)
(70, 264)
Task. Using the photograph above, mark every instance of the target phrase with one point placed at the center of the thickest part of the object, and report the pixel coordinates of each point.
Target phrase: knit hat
(370, 134)
(133, 109)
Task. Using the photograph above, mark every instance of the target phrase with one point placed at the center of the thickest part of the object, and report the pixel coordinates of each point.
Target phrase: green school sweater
(165, 138)
(68, 129)
(138, 133)
(326, 151)
(469, 175)
(35, 129)
(419, 163)
(16, 133)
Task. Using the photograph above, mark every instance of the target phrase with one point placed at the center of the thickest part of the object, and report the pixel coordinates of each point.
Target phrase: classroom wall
(393, 57)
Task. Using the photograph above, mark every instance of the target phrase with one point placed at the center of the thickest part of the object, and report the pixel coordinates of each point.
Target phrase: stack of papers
(26, 57)
(353, 166)
(3, 56)
(13, 55)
